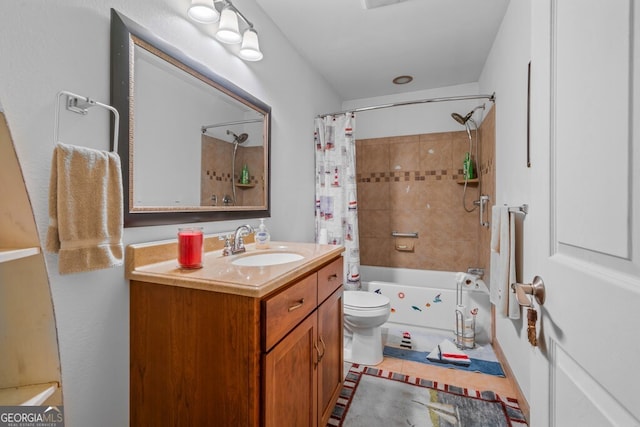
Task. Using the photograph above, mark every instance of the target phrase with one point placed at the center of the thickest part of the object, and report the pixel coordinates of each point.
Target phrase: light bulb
(228, 31)
(203, 11)
(250, 49)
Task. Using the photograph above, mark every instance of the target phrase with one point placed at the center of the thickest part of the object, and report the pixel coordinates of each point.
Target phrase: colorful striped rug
(373, 397)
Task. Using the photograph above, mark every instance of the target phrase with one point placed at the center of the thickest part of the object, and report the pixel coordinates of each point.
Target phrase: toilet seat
(364, 301)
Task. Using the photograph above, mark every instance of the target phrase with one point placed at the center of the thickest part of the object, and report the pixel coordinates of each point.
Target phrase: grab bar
(482, 202)
(413, 235)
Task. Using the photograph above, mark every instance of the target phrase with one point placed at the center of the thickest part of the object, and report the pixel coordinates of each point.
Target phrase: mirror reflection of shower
(467, 121)
(237, 140)
(236, 132)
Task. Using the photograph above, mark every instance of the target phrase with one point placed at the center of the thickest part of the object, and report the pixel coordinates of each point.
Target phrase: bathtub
(426, 299)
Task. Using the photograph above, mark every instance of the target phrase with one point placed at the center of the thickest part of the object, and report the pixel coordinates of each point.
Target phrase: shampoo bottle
(262, 236)
(244, 176)
(467, 167)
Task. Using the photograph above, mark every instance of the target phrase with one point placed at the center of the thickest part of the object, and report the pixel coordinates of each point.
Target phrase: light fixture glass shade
(203, 11)
(228, 31)
(250, 49)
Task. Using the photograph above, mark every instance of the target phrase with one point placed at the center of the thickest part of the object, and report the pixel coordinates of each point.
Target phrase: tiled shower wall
(411, 184)
(216, 173)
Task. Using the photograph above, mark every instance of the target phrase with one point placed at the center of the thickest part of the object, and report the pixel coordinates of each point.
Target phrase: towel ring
(80, 105)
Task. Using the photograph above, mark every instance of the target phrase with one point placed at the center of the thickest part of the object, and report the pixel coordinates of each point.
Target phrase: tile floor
(456, 377)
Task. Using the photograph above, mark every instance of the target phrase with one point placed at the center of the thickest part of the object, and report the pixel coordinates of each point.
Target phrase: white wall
(506, 72)
(48, 46)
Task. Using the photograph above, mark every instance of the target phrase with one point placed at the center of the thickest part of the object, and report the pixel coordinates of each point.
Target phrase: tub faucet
(238, 242)
(476, 271)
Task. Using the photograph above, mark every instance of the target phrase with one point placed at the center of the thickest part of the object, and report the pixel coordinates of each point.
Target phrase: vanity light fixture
(212, 11)
(203, 11)
(228, 30)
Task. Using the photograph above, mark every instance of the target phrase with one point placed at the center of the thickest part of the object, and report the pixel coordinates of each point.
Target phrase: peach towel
(85, 209)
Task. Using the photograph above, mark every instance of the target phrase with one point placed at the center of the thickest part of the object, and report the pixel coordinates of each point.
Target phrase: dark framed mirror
(194, 147)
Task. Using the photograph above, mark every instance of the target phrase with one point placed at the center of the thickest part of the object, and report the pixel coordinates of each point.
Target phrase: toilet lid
(362, 299)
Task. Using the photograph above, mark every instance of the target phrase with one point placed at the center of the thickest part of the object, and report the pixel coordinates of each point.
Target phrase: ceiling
(360, 50)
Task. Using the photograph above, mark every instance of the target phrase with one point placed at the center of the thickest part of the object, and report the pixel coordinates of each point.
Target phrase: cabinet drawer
(286, 309)
(330, 278)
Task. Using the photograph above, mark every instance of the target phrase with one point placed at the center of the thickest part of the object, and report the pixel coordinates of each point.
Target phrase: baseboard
(522, 401)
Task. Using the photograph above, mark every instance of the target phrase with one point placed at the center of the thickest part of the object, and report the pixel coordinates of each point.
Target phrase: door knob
(535, 288)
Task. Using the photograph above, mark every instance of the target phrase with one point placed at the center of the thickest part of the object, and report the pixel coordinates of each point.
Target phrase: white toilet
(364, 313)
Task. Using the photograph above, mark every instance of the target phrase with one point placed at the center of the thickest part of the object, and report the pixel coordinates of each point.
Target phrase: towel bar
(524, 209)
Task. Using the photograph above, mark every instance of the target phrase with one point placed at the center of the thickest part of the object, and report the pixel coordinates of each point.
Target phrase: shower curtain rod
(491, 98)
(237, 122)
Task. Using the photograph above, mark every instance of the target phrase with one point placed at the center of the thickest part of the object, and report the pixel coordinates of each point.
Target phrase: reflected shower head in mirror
(238, 139)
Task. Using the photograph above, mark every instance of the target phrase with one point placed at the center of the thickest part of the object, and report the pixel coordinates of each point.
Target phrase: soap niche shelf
(244, 185)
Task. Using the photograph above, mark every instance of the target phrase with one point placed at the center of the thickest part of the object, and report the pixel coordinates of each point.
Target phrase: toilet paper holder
(535, 288)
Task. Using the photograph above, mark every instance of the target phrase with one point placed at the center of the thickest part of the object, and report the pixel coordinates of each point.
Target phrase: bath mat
(475, 365)
(415, 344)
(374, 397)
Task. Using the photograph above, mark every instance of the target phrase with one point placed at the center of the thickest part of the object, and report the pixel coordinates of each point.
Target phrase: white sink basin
(266, 259)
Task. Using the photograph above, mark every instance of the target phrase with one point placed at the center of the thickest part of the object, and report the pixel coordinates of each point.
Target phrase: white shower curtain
(336, 202)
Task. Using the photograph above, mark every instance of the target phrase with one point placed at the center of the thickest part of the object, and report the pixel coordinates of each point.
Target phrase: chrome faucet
(238, 242)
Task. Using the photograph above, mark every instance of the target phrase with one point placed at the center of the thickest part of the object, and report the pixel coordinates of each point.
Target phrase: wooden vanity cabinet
(201, 357)
(303, 372)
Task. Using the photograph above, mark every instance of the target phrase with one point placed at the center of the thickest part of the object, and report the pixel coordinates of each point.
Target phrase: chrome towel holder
(80, 105)
(523, 209)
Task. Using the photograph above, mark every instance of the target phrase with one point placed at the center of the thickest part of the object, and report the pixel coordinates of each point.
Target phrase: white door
(585, 210)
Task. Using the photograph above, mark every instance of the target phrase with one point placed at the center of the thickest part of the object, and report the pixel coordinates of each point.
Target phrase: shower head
(463, 120)
(238, 139)
(458, 118)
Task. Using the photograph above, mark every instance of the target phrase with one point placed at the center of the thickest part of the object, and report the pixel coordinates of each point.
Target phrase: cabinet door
(290, 371)
(330, 366)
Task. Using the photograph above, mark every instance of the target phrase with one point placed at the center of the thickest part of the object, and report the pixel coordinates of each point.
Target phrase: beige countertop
(157, 263)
